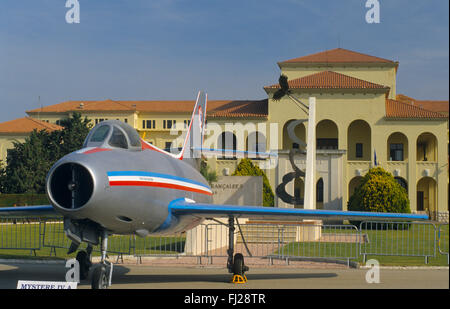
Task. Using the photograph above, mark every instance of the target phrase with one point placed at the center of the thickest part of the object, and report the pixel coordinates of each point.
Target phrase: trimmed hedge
(8, 200)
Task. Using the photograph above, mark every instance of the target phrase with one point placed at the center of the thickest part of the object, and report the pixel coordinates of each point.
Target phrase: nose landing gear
(102, 274)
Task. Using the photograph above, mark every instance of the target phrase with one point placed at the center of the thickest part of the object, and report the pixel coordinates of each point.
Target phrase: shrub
(247, 168)
(379, 192)
(205, 170)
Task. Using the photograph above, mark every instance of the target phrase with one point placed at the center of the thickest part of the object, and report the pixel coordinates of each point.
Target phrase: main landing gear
(84, 260)
(102, 273)
(235, 264)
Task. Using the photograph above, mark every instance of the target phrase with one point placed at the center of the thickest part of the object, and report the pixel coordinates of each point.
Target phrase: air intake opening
(71, 185)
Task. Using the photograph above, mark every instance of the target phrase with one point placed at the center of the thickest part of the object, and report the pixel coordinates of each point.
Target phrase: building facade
(17, 130)
(361, 122)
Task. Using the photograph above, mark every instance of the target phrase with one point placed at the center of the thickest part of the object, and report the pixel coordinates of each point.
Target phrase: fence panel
(170, 245)
(321, 241)
(53, 237)
(443, 233)
(414, 239)
(284, 241)
(20, 233)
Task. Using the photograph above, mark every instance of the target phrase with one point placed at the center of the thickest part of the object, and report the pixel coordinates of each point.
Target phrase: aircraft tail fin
(192, 145)
(196, 129)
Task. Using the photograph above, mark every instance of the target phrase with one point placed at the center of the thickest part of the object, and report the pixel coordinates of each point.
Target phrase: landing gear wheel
(100, 278)
(239, 269)
(85, 264)
(238, 264)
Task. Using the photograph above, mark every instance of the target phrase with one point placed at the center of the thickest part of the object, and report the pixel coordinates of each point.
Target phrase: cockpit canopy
(113, 134)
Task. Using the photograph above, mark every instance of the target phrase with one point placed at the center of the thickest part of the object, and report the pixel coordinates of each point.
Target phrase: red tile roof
(397, 109)
(329, 80)
(216, 108)
(338, 55)
(27, 125)
(439, 106)
(239, 109)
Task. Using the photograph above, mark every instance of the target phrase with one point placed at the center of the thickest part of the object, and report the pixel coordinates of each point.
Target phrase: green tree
(379, 192)
(29, 162)
(247, 168)
(210, 176)
(2, 177)
(74, 133)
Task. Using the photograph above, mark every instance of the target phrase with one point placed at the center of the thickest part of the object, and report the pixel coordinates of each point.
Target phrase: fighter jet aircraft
(120, 184)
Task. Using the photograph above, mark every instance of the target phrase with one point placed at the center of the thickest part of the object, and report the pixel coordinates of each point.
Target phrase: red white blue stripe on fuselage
(150, 179)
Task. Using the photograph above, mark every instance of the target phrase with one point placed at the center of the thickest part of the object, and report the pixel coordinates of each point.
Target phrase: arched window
(359, 141)
(227, 143)
(427, 147)
(353, 184)
(256, 143)
(397, 144)
(402, 182)
(299, 131)
(319, 191)
(299, 192)
(327, 135)
(426, 194)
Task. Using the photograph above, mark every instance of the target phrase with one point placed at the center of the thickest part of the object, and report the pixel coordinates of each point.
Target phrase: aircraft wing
(28, 211)
(183, 207)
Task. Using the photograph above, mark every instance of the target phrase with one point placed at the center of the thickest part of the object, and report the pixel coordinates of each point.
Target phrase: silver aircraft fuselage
(125, 191)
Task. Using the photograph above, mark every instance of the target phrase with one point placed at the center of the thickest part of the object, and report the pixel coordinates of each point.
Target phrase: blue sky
(170, 49)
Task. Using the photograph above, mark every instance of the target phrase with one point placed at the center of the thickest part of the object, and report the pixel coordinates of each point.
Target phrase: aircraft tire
(99, 278)
(238, 264)
(85, 264)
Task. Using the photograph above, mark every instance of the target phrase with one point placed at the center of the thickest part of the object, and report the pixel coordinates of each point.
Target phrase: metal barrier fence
(399, 239)
(443, 232)
(20, 234)
(271, 241)
(53, 237)
(287, 241)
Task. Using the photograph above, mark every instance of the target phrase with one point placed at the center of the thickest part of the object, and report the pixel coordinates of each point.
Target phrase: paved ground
(162, 274)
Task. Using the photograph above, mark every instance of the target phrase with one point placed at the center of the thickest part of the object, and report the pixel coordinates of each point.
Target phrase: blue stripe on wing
(28, 211)
(180, 207)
